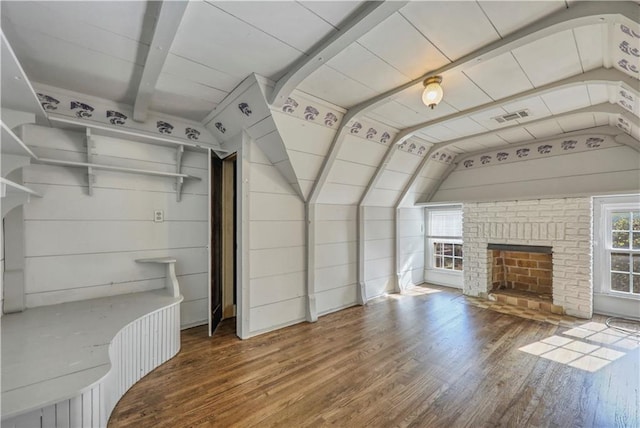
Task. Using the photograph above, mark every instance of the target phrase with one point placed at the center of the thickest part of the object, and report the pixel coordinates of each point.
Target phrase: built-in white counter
(67, 365)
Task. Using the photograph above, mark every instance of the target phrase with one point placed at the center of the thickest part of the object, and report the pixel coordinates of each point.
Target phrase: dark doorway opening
(223, 239)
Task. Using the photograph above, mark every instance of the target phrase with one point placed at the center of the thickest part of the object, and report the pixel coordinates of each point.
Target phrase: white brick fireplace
(563, 224)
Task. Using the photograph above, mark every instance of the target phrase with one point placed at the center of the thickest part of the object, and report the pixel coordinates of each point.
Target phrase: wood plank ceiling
(99, 48)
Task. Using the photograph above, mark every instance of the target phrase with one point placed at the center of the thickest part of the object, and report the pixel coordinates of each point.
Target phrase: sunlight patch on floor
(418, 291)
(587, 347)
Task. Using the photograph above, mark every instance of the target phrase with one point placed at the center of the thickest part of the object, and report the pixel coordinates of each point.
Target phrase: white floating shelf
(115, 168)
(13, 145)
(138, 136)
(8, 183)
(91, 167)
(171, 281)
(20, 196)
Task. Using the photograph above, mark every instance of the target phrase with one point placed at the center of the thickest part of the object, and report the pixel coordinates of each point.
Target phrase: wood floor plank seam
(430, 358)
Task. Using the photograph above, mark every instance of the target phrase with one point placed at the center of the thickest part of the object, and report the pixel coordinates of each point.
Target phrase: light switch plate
(158, 216)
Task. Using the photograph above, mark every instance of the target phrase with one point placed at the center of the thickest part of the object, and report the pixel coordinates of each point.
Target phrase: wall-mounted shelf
(20, 196)
(20, 155)
(8, 183)
(96, 166)
(138, 136)
(15, 154)
(171, 281)
(114, 168)
(13, 145)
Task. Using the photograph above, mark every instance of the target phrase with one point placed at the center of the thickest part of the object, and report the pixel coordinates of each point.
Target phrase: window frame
(453, 257)
(603, 244)
(431, 240)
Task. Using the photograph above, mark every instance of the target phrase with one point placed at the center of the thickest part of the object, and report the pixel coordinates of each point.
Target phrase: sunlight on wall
(588, 347)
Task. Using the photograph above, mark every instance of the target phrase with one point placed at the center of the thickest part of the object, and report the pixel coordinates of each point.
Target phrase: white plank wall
(379, 250)
(336, 257)
(356, 162)
(1, 266)
(80, 247)
(411, 246)
(608, 170)
(394, 178)
(306, 143)
(276, 248)
(427, 180)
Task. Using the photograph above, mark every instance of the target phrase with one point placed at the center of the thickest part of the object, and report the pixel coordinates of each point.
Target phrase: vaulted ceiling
(562, 64)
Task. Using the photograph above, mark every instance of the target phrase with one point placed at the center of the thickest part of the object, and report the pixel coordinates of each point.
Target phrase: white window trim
(430, 240)
(603, 207)
(445, 240)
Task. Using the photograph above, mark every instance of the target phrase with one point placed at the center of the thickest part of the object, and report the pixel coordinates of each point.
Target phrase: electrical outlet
(158, 216)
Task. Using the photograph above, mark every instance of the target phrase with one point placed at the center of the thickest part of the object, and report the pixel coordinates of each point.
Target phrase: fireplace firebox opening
(522, 275)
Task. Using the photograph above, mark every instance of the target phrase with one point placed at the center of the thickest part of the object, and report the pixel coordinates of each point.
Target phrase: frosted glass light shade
(433, 93)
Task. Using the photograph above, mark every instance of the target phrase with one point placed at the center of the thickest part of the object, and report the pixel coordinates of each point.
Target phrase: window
(447, 255)
(444, 239)
(616, 250)
(623, 250)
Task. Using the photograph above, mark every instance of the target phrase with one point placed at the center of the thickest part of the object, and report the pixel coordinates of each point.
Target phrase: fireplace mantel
(523, 248)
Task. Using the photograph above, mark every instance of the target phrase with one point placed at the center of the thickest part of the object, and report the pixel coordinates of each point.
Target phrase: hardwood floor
(426, 360)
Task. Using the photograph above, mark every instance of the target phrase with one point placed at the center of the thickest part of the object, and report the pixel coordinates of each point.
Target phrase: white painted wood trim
(243, 177)
(618, 136)
(594, 76)
(361, 236)
(578, 15)
(115, 168)
(310, 226)
(605, 107)
(8, 183)
(398, 285)
(367, 17)
(180, 180)
(10, 163)
(86, 399)
(581, 14)
(599, 75)
(166, 28)
(137, 136)
(14, 260)
(10, 200)
(600, 108)
(8, 136)
(209, 235)
(171, 281)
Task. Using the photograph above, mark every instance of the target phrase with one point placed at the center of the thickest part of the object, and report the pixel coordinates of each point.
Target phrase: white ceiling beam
(606, 107)
(166, 27)
(361, 22)
(600, 75)
(580, 14)
(600, 108)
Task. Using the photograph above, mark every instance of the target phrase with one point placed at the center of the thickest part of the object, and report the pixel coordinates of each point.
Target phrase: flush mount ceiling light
(432, 94)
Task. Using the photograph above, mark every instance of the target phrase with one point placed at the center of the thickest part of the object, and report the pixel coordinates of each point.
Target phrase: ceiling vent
(512, 116)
